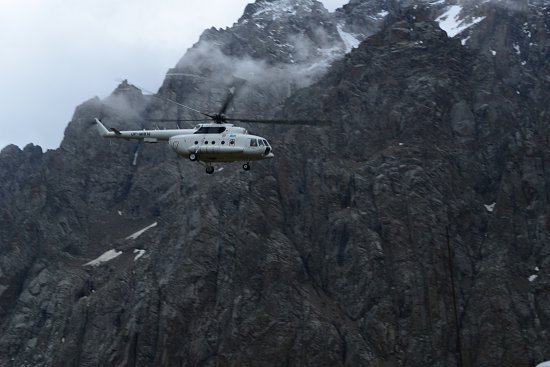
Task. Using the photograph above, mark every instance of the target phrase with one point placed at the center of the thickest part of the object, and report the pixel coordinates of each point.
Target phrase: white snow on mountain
(139, 253)
(107, 256)
(490, 207)
(277, 9)
(451, 22)
(349, 39)
(140, 232)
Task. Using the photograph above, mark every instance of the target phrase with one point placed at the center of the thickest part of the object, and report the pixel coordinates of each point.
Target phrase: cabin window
(223, 142)
(210, 130)
(253, 143)
(206, 142)
(196, 142)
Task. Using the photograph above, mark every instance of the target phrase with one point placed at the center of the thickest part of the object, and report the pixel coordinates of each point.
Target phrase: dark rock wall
(407, 231)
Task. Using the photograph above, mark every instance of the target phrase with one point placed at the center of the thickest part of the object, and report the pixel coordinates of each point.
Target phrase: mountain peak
(280, 9)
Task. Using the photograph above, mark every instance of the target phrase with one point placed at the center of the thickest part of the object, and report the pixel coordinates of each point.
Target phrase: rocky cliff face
(411, 230)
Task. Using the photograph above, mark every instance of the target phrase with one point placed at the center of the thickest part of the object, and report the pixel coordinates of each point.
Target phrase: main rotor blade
(179, 104)
(151, 94)
(232, 92)
(177, 120)
(227, 101)
(281, 121)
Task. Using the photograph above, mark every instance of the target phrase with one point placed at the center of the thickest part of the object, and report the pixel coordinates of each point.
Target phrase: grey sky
(59, 53)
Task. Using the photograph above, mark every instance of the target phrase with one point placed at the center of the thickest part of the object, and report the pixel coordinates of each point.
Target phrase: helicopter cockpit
(259, 143)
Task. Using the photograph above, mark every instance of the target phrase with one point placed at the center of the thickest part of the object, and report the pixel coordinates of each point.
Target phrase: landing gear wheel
(246, 166)
(209, 169)
(192, 157)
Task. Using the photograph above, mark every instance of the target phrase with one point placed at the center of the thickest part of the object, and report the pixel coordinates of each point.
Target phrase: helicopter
(209, 142)
(216, 141)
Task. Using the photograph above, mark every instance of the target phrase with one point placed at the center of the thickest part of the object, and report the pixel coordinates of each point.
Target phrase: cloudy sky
(57, 54)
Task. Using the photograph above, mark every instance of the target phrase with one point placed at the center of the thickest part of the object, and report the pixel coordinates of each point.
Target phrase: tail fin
(102, 129)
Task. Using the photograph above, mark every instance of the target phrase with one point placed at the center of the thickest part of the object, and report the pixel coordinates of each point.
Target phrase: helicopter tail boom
(149, 136)
(103, 130)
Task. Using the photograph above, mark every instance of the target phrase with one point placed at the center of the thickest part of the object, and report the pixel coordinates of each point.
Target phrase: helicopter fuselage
(210, 142)
(227, 146)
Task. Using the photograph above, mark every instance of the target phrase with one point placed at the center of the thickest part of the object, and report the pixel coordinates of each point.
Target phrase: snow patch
(493, 52)
(544, 364)
(349, 39)
(107, 256)
(526, 29)
(135, 158)
(450, 21)
(490, 207)
(141, 231)
(139, 253)
(516, 47)
(534, 276)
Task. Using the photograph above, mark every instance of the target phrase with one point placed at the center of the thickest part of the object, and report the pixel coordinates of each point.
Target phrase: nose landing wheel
(209, 169)
(246, 166)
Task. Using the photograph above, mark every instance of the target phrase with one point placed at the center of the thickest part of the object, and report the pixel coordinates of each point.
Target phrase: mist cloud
(57, 54)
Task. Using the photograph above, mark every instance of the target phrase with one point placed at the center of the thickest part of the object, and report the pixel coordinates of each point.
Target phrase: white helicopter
(210, 142)
(216, 141)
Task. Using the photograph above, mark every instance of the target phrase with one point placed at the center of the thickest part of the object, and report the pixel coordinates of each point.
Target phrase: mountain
(413, 229)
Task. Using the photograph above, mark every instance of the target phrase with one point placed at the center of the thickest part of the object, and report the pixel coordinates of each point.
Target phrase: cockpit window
(261, 143)
(266, 143)
(253, 143)
(210, 130)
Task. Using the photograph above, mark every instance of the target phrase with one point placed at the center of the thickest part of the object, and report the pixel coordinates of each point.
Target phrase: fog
(59, 53)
